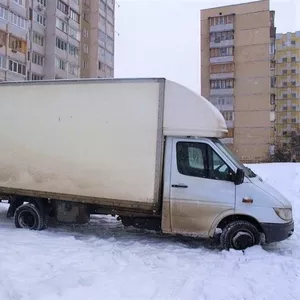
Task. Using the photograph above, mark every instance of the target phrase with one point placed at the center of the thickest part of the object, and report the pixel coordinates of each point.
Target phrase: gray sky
(161, 38)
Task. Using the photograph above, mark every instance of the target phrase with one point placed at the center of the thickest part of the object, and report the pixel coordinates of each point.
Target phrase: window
(110, 28)
(2, 62)
(86, 17)
(43, 2)
(17, 20)
(102, 36)
(85, 33)
(272, 99)
(109, 58)
(38, 39)
(110, 44)
(284, 72)
(284, 120)
(284, 59)
(293, 83)
(223, 51)
(110, 12)
(17, 67)
(62, 7)
(284, 84)
(101, 53)
(273, 81)
(293, 59)
(85, 64)
(20, 2)
(217, 37)
(37, 59)
(36, 77)
(74, 33)
(191, 159)
(85, 48)
(101, 66)
(221, 68)
(293, 120)
(200, 160)
(293, 71)
(73, 50)
(294, 95)
(284, 132)
(61, 25)
(284, 108)
(73, 69)
(60, 44)
(294, 107)
(60, 64)
(74, 15)
(228, 115)
(39, 19)
(102, 5)
(284, 96)
(222, 84)
(293, 42)
(229, 19)
(17, 44)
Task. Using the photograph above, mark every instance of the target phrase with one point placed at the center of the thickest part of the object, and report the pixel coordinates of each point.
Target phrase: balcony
(221, 92)
(221, 43)
(221, 59)
(221, 27)
(221, 75)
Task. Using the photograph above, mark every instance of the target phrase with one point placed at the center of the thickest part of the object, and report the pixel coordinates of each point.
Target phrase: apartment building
(287, 84)
(238, 74)
(55, 39)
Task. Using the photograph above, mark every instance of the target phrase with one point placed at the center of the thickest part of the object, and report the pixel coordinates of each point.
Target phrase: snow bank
(103, 260)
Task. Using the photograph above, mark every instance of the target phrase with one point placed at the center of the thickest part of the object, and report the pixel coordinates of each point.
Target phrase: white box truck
(144, 150)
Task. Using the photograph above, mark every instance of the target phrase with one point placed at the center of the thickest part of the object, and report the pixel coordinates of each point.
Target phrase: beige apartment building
(55, 39)
(238, 74)
(287, 85)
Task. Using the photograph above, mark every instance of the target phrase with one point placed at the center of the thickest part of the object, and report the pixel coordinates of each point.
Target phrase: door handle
(182, 186)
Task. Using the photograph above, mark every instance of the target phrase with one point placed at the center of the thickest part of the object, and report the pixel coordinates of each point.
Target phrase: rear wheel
(30, 217)
(239, 235)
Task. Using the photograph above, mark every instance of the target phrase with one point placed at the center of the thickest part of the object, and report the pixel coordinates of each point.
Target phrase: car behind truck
(145, 150)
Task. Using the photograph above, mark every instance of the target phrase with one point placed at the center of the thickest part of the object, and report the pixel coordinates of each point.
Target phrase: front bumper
(277, 232)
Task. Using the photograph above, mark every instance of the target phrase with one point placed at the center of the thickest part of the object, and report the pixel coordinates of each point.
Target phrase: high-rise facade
(55, 39)
(238, 74)
(287, 85)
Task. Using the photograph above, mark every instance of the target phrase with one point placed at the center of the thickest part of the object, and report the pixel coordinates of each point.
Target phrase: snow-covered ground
(102, 260)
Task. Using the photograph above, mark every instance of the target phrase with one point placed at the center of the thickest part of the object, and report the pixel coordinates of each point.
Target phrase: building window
(223, 51)
(73, 50)
(293, 83)
(273, 81)
(36, 77)
(284, 60)
(110, 12)
(85, 33)
(109, 58)
(294, 95)
(85, 64)
(74, 15)
(17, 67)
(284, 84)
(2, 62)
(284, 132)
(110, 44)
(39, 19)
(228, 115)
(37, 59)
(60, 64)
(61, 25)
(63, 7)
(20, 2)
(14, 18)
(284, 96)
(272, 99)
(102, 5)
(74, 33)
(60, 44)
(221, 68)
(294, 107)
(222, 20)
(284, 108)
(43, 2)
(17, 44)
(86, 17)
(222, 84)
(293, 59)
(294, 120)
(73, 69)
(38, 39)
(293, 71)
(85, 48)
(284, 72)
(293, 42)
(217, 37)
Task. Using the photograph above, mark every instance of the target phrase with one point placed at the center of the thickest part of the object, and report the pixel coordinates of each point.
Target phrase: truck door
(201, 187)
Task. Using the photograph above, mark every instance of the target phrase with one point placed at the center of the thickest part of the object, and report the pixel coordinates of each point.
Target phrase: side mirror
(239, 177)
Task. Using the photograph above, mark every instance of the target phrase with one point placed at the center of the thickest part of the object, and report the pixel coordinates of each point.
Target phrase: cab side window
(200, 160)
(192, 159)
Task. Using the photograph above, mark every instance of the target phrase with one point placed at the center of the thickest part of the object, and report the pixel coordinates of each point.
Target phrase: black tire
(239, 235)
(28, 216)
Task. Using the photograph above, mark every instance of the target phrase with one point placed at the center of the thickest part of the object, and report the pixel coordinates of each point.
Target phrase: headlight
(284, 213)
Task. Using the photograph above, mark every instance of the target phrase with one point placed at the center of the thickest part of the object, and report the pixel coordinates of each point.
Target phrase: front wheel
(239, 235)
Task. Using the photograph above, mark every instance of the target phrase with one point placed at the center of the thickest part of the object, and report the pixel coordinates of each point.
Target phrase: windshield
(234, 159)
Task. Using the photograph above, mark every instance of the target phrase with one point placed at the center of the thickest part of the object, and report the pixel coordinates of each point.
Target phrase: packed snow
(102, 260)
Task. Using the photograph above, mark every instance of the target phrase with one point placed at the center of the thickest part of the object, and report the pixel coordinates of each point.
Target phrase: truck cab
(207, 188)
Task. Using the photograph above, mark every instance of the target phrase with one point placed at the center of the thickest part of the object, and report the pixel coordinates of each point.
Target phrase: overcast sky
(161, 38)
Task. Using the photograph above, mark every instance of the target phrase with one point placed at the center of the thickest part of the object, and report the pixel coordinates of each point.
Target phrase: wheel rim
(242, 240)
(27, 220)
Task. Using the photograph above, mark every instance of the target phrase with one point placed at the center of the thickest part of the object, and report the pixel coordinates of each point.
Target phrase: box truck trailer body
(75, 147)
